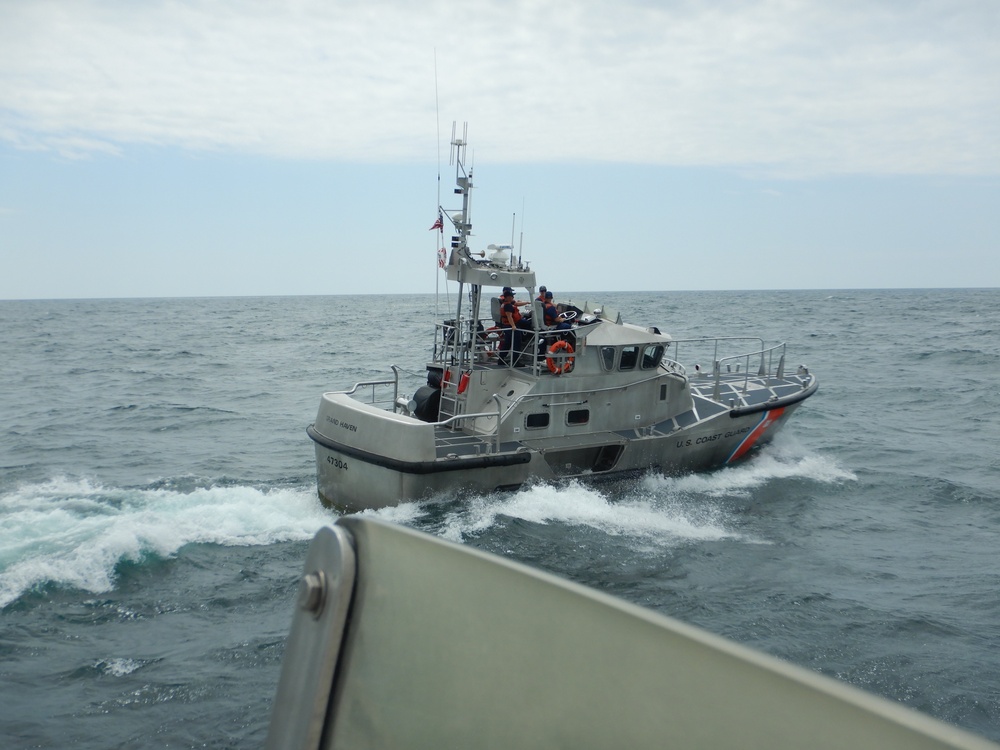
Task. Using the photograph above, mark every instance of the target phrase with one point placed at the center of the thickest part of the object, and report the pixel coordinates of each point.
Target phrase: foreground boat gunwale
(389, 620)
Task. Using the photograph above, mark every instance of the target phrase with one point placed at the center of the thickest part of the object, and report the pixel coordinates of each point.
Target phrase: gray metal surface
(447, 646)
(313, 646)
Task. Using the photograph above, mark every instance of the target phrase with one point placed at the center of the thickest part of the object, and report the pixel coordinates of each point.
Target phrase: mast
(464, 266)
(476, 269)
(463, 226)
(463, 180)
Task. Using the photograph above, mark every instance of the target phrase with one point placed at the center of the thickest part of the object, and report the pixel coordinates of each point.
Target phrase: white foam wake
(641, 515)
(658, 509)
(783, 459)
(74, 533)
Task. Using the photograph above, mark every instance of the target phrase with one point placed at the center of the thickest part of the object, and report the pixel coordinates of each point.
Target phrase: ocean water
(157, 498)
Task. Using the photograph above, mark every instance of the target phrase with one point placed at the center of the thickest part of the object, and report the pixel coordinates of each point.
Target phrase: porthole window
(630, 356)
(578, 416)
(537, 421)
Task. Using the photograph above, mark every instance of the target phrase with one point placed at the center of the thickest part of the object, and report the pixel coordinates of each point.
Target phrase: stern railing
(488, 443)
(375, 400)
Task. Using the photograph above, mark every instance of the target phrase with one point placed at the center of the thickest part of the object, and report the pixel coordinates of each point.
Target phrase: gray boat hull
(354, 476)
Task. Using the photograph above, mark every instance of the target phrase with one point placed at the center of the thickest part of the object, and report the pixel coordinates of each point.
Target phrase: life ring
(567, 357)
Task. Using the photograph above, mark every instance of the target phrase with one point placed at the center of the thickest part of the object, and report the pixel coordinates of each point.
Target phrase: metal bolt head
(312, 592)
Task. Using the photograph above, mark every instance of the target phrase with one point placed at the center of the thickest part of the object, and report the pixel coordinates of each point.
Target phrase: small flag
(438, 223)
(442, 256)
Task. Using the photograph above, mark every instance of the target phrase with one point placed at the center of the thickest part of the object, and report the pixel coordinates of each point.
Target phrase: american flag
(438, 223)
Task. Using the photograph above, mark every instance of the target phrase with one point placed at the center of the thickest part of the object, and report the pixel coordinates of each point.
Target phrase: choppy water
(157, 497)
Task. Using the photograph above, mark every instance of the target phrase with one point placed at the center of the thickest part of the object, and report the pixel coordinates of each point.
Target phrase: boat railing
(702, 346)
(454, 345)
(490, 443)
(479, 344)
(770, 361)
(673, 366)
(376, 398)
(479, 443)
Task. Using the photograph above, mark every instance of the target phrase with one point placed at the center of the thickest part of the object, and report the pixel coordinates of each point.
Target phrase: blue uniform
(552, 317)
(510, 316)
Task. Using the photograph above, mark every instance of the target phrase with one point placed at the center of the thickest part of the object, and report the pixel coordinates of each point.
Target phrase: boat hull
(354, 474)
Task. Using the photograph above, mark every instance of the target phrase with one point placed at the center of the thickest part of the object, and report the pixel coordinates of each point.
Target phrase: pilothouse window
(651, 356)
(608, 357)
(578, 416)
(630, 355)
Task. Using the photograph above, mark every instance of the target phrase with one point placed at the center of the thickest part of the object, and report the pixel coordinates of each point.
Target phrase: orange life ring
(567, 364)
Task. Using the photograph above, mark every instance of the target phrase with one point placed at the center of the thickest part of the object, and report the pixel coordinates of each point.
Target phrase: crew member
(509, 291)
(554, 318)
(510, 316)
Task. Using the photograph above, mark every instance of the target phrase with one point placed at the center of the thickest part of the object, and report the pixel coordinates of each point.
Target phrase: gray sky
(216, 148)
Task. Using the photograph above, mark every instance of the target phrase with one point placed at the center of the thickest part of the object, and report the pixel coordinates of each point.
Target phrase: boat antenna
(463, 179)
(439, 237)
(461, 220)
(520, 247)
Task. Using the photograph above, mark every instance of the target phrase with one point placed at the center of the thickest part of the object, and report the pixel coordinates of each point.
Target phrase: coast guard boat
(591, 398)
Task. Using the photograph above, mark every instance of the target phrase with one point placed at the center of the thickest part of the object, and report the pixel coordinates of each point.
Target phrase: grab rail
(476, 344)
(455, 438)
(765, 367)
(394, 382)
(460, 438)
(715, 342)
(764, 370)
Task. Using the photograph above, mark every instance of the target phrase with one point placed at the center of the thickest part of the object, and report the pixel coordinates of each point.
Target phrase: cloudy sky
(190, 147)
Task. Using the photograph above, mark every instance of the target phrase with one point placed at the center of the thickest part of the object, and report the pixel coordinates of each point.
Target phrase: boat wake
(75, 533)
(637, 515)
(657, 509)
(783, 459)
